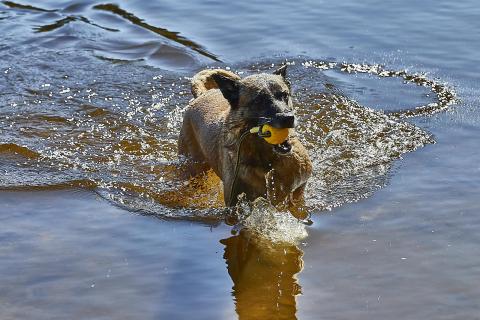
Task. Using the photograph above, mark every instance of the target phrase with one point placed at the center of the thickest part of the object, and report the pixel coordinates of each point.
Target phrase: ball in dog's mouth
(283, 148)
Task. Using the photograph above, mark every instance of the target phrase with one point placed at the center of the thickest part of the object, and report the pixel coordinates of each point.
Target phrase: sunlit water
(92, 98)
(120, 138)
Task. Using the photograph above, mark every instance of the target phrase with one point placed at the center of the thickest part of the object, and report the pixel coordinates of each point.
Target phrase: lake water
(95, 222)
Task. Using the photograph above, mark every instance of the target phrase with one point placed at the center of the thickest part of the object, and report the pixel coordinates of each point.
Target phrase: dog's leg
(297, 203)
(229, 197)
(188, 147)
(186, 133)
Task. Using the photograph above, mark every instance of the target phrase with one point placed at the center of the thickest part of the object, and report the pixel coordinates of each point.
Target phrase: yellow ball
(277, 136)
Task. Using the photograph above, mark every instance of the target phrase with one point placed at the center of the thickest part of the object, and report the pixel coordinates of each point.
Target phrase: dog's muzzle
(282, 121)
(275, 131)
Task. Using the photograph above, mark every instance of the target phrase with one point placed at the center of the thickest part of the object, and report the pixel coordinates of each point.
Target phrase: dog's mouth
(283, 148)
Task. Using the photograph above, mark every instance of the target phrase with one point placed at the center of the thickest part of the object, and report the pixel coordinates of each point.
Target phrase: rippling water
(92, 97)
(120, 138)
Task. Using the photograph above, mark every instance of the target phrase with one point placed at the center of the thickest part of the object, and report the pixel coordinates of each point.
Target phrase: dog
(224, 109)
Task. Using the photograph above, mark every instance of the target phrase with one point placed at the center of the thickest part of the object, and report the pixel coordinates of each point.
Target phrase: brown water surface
(98, 221)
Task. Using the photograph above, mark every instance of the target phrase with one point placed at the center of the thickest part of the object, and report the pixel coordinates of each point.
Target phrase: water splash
(115, 132)
(445, 95)
(262, 219)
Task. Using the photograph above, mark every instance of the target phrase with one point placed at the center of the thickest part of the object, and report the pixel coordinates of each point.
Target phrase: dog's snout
(283, 120)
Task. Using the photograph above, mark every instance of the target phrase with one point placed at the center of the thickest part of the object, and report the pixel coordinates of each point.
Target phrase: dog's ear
(229, 87)
(282, 71)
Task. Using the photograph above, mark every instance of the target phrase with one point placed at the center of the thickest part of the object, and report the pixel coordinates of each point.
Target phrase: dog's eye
(283, 95)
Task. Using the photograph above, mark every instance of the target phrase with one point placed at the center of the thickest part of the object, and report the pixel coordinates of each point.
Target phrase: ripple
(445, 95)
(64, 21)
(112, 33)
(15, 5)
(18, 150)
(172, 35)
(117, 128)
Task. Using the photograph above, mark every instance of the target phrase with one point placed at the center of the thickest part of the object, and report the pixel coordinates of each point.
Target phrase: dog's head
(259, 99)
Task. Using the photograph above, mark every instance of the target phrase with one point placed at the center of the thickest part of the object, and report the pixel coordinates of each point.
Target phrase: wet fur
(226, 106)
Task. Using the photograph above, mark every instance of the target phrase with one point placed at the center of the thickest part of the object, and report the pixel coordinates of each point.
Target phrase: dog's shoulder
(210, 107)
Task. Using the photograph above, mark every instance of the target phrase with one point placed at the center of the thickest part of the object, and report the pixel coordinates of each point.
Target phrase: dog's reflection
(264, 276)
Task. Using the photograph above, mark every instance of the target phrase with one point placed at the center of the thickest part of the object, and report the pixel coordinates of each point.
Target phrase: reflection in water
(25, 7)
(264, 276)
(113, 8)
(63, 20)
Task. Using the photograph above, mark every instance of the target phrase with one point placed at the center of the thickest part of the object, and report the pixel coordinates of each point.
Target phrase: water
(97, 223)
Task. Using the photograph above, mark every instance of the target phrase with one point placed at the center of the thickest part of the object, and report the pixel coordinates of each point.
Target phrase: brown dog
(225, 108)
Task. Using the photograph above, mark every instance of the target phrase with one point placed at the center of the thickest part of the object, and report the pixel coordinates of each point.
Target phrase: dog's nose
(283, 120)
